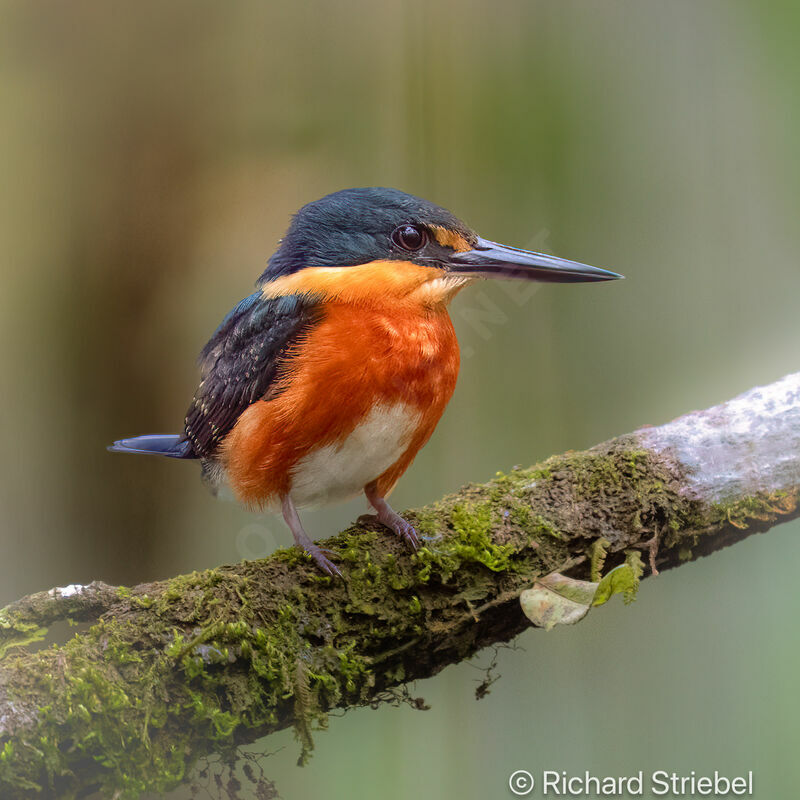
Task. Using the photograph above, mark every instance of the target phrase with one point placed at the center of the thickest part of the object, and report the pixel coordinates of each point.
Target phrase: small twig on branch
(174, 670)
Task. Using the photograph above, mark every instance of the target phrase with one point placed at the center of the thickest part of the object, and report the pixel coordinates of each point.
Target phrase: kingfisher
(328, 380)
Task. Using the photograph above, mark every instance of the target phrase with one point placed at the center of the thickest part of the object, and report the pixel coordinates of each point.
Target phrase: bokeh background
(150, 158)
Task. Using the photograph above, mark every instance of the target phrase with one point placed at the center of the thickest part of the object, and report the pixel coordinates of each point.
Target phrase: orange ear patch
(450, 238)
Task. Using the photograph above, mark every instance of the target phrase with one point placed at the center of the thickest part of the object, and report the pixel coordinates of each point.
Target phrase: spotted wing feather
(240, 363)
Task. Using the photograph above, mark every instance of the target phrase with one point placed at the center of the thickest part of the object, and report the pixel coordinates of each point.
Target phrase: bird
(328, 380)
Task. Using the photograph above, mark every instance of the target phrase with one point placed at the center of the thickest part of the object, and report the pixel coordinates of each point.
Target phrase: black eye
(409, 237)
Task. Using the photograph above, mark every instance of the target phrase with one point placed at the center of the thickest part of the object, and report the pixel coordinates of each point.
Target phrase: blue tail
(172, 445)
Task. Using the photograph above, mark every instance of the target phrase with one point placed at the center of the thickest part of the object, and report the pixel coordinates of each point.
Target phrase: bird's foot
(319, 555)
(392, 520)
(402, 527)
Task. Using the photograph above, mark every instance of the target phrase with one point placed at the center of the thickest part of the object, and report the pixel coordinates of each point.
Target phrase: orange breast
(356, 359)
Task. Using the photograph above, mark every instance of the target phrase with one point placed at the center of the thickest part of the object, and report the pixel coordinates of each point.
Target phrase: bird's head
(357, 244)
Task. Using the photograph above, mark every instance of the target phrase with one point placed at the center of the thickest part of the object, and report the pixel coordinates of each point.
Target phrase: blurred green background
(151, 155)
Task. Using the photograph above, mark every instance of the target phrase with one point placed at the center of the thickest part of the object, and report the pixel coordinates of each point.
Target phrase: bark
(170, 671)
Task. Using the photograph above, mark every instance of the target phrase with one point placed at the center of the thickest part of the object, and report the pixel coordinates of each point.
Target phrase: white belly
(340, 471)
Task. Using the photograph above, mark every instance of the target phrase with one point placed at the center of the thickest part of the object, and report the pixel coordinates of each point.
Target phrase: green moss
(474, 541)
(140, 600)
(543, 527)
(540, 474)
(471, 542)
(427, 523)
(603, 470)
(216, 724)
(762, 507)
(523, 516)
(354, 670)
(18, 633)
(290, 555)
(98, 720)
(535, 525)
(353, 545)
(188, 678)
(683, 531)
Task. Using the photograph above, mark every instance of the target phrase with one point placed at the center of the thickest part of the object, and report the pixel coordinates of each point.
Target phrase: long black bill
(492, 260)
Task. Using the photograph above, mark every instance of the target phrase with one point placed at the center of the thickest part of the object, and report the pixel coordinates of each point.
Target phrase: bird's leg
(303, 541)
(389, 517)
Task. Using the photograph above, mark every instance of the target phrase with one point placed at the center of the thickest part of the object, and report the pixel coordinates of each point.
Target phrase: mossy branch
(173, 670)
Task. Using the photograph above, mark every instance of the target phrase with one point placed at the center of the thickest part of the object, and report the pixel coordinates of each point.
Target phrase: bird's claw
(405, 530)
(390, 518)
(325, 564)
(410, 535)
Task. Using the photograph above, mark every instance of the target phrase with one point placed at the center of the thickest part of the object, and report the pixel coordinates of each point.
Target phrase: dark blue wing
(240, 362)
